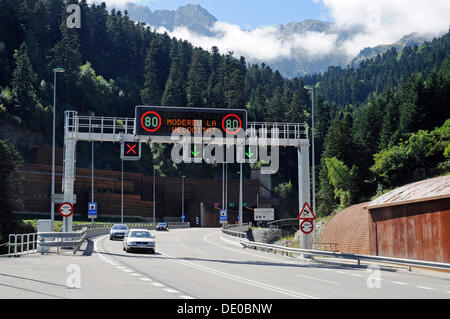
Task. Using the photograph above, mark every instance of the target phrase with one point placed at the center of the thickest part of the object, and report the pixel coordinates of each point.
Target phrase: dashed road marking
(128, 270)
(157, 284)
(357, 275)
(318, 279)
(399, 283)
(187, 297)
(423, 287)
(145, 279)
(171, 290)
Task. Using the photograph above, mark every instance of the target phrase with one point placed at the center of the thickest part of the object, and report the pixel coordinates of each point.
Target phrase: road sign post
(65, 209)
(92, 210)
(307, 226)
(264, 214)
(306, 219)
(223, 216)
(306, 212)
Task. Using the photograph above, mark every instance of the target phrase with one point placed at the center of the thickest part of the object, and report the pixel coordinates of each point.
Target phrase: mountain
(409, 40)
(314, 45)
(194, 17)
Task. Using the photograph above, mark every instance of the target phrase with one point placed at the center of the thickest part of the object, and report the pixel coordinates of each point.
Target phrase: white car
(118, 231)
(139, 239)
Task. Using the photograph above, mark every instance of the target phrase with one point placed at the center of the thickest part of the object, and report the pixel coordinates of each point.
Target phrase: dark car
(162, 226)
(118, 231)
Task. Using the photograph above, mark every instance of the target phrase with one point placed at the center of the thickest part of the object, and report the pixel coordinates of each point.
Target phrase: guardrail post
(9, 244)
(15, 244)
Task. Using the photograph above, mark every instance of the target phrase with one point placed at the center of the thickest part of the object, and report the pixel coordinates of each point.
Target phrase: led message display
(164, 121)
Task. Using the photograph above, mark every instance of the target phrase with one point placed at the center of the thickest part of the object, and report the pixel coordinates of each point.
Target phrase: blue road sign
(182, 218)
(223, 215)
(92, 210)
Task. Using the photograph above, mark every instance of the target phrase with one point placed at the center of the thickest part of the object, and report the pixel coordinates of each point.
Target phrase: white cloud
(377, 21)
(386, 21)
(262, 44)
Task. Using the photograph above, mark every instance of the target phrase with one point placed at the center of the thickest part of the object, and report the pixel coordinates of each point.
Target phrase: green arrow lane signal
(195, 152)
(249, 153)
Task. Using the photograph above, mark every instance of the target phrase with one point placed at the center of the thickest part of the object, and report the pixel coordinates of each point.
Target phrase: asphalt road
(198, 264)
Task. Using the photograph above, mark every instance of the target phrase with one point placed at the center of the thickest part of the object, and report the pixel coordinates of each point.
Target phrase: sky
(250, 14)
(249, 27)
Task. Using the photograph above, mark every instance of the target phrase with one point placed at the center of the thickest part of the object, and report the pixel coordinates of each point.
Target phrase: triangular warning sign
(306, 212)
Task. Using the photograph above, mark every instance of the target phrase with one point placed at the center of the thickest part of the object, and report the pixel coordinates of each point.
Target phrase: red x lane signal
(131, 151)
(130, 148)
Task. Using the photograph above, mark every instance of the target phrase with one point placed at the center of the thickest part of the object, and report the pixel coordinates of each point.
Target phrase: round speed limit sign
(65, 209)
(307, 226)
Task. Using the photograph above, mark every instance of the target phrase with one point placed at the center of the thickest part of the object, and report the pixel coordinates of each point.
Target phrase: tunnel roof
(425, 190)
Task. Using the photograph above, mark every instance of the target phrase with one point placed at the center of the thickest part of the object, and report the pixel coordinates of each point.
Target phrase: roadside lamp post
(154, 199)
(182, 197)
(52, 208)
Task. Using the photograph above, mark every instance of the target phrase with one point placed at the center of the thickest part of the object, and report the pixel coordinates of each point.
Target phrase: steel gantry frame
(120, 129)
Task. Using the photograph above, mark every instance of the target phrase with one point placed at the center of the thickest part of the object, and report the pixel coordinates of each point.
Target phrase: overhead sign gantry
(154, 124)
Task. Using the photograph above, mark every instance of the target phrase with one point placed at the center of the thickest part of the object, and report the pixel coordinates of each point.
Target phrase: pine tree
(24, 83)
(197, 82)
(174, 93)
(152, 92)
(235, 90)
(296, 112)
(66, 54)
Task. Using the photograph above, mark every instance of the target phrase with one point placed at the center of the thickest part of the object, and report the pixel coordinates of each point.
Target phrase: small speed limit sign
(65, 209)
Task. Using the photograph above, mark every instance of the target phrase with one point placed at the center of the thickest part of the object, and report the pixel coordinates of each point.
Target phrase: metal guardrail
(132, 225)
(19, 244)
(359, 258)
(226, 230)
(63, 239)
(29, 243)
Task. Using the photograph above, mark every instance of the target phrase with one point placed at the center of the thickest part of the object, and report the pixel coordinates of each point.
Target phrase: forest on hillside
(377, 126)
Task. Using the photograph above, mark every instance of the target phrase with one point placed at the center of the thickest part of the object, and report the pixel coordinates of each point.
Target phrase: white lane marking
(128, 270)
(357, 275)
(239, 279)
(145, 279)
(187, 297)
(157, 284)
(341, 272)
(135, 274)
(245, 253)
(318, 279)
(231, 242)
(171, 290)
(423, 287)
(399, 283)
